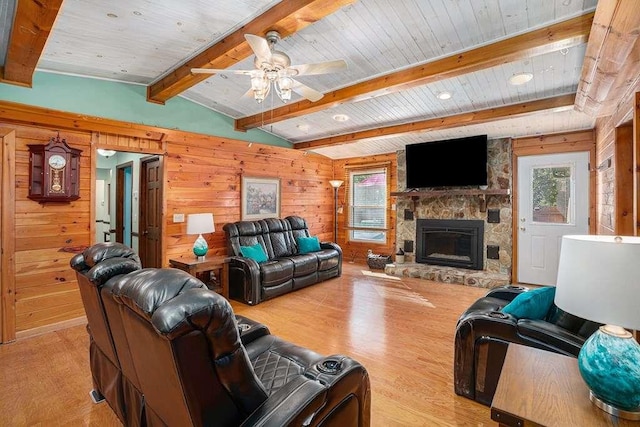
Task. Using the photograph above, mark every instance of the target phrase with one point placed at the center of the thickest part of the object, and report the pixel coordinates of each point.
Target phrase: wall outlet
(178, 217)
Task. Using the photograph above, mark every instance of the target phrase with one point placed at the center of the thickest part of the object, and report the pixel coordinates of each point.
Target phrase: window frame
(384, 229)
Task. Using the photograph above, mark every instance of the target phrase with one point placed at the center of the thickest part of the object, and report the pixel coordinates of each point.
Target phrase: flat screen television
(450, 163)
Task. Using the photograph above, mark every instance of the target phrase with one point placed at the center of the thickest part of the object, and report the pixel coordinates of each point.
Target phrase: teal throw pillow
(308, 244)
(534, 304)
(254, 252)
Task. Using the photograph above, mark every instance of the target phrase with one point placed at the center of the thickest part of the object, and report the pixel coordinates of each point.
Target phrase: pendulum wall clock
(54, 172)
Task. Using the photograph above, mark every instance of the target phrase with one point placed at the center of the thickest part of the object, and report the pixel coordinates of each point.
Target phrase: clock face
(57, 161)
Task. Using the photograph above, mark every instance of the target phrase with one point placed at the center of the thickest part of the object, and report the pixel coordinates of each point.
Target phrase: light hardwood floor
(400, 330)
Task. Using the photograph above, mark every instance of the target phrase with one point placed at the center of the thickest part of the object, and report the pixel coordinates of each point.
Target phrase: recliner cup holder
(330, 366)
(516, 287)
(498, 315)
(243, 327)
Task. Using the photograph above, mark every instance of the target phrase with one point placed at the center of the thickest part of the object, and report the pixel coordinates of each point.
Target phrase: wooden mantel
(415, 195)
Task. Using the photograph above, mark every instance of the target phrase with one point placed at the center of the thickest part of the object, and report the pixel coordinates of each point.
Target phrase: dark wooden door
(150, 226)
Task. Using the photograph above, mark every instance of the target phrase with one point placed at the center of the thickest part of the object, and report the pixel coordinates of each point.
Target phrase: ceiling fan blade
(320, 68)
(306, 92)
(221, 71)
(260, 47)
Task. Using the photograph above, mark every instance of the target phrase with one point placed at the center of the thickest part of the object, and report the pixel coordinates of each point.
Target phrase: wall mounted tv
(450, 163)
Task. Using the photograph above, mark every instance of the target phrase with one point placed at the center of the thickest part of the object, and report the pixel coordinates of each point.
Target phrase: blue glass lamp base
(200, 248)
(609, 363)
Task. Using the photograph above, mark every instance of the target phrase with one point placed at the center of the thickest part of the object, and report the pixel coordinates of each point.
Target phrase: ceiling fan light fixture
(340, 117)
(444, 95)
(520, 79)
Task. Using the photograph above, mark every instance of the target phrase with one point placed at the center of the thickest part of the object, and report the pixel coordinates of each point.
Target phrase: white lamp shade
(335, 183)
(200, 223)
(598, 279)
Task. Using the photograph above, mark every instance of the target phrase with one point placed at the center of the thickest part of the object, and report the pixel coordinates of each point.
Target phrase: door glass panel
(551, 194)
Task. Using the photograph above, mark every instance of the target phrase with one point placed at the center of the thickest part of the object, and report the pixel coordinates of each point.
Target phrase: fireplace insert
(450, 242)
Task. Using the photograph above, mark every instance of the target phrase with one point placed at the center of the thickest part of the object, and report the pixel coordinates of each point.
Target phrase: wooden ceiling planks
(548, 39)
(469, 118)
(32, 24)
(614, 37)
(287, 17)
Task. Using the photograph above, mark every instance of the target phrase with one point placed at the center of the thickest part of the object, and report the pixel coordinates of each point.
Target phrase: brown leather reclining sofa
(286, 269)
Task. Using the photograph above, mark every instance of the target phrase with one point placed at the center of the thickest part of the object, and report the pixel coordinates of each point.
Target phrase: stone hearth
(459, 276)
(495, 272)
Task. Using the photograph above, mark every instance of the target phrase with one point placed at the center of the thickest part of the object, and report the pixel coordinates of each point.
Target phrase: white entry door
(553, 200)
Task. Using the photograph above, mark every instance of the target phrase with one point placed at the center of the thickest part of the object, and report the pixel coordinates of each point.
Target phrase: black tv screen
(450, 163)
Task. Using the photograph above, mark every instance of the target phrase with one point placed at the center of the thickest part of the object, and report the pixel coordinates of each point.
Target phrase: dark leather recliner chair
(114, 375)
(96, 268)
(483, 333)
(194, 369)
(286, 269)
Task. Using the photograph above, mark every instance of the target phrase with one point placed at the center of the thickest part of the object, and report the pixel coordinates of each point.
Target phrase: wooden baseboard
(51, 328)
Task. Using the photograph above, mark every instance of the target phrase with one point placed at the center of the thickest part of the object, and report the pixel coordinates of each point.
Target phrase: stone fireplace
(492, 266)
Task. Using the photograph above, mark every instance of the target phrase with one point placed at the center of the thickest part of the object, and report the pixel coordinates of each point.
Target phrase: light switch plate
(178, 217)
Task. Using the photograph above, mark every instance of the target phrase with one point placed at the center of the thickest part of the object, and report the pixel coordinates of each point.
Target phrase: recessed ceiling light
(303, 128)
(444, 95)
(340, 117)
(135, 12)
(520, 79)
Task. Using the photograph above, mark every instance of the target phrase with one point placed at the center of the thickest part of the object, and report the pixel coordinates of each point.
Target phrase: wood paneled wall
(617, 140)
(202, 174)
(357, 251)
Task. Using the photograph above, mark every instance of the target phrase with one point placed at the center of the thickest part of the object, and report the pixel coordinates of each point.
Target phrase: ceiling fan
(273, 68)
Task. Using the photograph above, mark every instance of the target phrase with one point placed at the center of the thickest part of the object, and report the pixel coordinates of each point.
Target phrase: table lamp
(198, 224)
(598, 280)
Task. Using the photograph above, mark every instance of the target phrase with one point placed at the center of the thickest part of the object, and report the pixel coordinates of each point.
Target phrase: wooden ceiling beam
(31, 115)
(287, 17)
(464, 119)
(32, 24)
(613, 39)
(537, 42)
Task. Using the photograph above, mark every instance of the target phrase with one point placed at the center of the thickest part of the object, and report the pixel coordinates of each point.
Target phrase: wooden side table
(211, 263)
(541, 388)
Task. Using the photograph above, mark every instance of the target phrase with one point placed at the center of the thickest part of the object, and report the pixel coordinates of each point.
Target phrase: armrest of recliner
(250, 330)
(548, 336)
(347, 382)
(293, 404)
(250, 271)
(508, 292)
(472, 327)
(335, 246)
(331, 245)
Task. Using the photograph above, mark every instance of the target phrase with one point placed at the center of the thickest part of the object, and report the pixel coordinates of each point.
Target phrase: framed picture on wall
(260, 198)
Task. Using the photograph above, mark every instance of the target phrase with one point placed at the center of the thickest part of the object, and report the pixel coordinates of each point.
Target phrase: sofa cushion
(304, 264)
(255, 252)
(308, 244)
(533, 304)
(276, 272)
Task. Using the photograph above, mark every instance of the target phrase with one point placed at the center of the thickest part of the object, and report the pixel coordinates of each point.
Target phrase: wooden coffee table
(541, 388)
(211, 263)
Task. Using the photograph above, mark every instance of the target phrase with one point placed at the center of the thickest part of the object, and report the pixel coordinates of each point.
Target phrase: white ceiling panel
(140, 41)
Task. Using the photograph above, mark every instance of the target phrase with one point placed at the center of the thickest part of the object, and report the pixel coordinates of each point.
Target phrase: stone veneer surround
(495, 272)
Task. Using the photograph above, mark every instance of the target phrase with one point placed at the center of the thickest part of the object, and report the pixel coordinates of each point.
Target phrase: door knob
(145, 232)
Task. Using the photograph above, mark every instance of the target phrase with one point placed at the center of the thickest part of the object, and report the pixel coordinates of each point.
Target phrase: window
(368, 205)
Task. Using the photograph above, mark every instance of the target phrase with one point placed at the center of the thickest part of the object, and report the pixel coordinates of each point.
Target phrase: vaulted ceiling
(400, 56)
